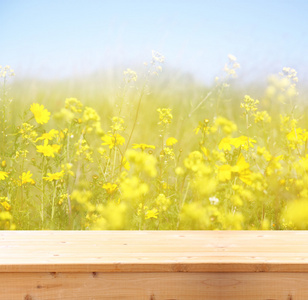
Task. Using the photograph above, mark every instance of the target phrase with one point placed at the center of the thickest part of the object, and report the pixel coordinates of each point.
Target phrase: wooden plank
(154, 251)
(154, 286)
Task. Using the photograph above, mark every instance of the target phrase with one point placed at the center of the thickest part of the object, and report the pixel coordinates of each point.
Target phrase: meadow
(146, 152)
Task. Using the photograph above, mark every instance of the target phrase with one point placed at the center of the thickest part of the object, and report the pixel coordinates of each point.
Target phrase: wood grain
(154, 286)
(154, 251)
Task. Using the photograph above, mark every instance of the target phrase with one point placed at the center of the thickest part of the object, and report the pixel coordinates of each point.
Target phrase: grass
(152, 151)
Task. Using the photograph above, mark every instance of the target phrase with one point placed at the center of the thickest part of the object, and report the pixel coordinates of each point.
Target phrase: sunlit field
(145, 153)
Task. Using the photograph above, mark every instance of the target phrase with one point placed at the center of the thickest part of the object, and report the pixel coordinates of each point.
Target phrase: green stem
(53, 200)
(67, 177)
(114, 162)
(136, 118)
(182, 204)
(43, 192)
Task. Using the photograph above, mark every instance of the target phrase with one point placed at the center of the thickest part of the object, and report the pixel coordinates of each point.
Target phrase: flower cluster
(241, 165)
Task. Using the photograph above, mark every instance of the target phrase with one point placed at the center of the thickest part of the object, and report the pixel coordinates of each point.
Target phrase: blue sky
(63, 38)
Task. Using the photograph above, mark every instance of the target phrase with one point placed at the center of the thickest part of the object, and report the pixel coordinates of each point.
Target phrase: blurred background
(77, 38)
(66, 49)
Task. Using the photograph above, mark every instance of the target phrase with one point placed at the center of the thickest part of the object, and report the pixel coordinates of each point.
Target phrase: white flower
(130, 75)
(232, 57)
(214, 200)
(156, 56)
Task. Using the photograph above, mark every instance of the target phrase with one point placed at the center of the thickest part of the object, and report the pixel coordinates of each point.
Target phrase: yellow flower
(112, 216)
(179, 171)
(143, 146)
(163, 202)
(110, 187)
(90, 114)
(227, 126)
(218, 156)
(141, 209)
(225, 144)
(27, 132)
(46, 149)
(5, 216)
(26, 178)
(224, 173)
(301, 166)
(242, 170)
(67, 169)
(194, 215)
(168, 152)
(62, 198)
(151, 214)
(142, 162)
(81, 200)
(48, 135)
(193, 161)
(117, 124)
(133, 188)
(297, 136)
(125, 163)
(274, 164)
(56, 148)
(205, 151)
(6, 205)
(203, 126)
(264, 153)
(54, 176)
(165, 116)
(297, 212)
(262, 116)
(249, 104)
(41, 114)
(171, 141)
(113, 140)
(73, 105)
(243, 141)
(3, 175)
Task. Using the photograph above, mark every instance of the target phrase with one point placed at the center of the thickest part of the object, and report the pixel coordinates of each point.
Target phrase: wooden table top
(154, 251)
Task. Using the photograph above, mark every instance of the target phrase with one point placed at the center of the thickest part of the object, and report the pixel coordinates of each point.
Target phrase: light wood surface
(154, 251)
(154, 286)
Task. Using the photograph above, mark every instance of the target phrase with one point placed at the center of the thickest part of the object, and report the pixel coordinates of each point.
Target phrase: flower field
(153, 157)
